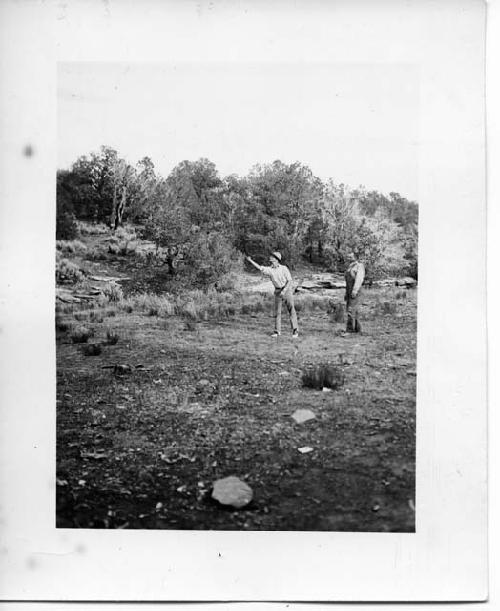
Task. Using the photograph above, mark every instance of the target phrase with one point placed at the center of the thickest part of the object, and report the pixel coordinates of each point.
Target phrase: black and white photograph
(243, 307)
(236, 308)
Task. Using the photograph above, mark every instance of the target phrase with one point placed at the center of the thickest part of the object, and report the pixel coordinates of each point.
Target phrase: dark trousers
(352, 310)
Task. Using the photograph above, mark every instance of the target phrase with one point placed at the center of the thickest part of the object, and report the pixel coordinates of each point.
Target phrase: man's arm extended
(256, 265)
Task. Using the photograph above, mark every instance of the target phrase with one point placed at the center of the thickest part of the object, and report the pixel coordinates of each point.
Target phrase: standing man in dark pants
(354, 276)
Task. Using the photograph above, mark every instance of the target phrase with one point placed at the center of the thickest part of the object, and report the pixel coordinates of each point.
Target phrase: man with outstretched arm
(283, 291)
(354, 277)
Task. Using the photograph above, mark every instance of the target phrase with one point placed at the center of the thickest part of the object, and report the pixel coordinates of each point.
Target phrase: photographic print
(243, 301)
(236, 302)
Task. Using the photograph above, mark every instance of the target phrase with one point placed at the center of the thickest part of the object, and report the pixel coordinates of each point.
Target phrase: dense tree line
(206, 221)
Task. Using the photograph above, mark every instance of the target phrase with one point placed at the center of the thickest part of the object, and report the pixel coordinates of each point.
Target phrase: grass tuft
(92, 349)
(81, 335)
(112, 337)
(68, 272)
(321, 376)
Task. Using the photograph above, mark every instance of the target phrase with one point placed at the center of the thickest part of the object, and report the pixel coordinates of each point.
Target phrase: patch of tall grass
(68, 272)
(70, 246)
(86, 228)
(198, 305)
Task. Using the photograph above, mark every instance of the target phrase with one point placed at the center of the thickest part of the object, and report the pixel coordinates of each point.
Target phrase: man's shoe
(295, 334)
(275, 334)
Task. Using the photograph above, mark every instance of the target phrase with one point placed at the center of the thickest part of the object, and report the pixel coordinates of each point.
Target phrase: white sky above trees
(355, 123)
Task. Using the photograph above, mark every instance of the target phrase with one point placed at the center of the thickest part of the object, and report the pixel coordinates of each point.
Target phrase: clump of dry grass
(63, 324)
(68, 272)
(81, 335)
(190, 325)
(386, 308)
(112, 337)
(307, 302)
(92, 349)
(123, 247)
(336, 311)
(70, 246)
(323, 376)
(96, 254)
(85, 228)
(112, 291)
(126, 233)
(96, 316)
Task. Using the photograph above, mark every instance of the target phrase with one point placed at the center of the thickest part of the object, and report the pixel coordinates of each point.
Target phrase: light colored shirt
(356, 271)
(279, 275)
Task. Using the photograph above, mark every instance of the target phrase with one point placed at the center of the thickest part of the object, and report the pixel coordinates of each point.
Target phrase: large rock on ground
(232, 491)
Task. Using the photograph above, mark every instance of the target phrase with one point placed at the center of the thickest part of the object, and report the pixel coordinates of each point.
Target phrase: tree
(277, 209)
(167, 222)
(66, 228)
(349, 230)
(101, 186)
(198, 186)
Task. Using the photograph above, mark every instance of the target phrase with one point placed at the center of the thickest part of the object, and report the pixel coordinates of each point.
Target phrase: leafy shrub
(228, 282)
(66, 228)
(209, 257)
(68, 272)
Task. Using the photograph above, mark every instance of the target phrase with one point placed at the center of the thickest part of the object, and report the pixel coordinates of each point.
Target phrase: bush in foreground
(323, 376)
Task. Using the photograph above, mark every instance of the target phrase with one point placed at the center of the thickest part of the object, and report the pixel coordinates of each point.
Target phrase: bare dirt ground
(141, 449)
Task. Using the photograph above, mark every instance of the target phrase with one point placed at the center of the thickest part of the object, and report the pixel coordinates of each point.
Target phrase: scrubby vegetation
(202, 222)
